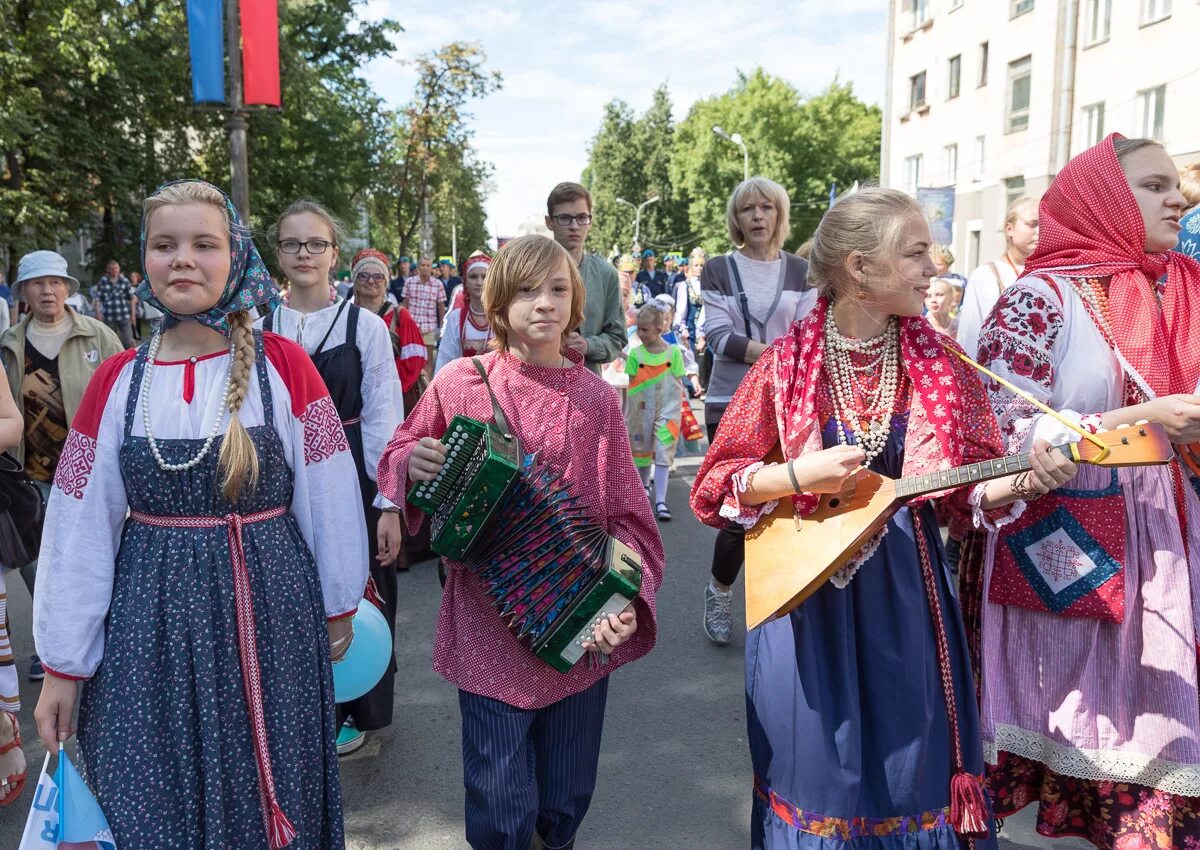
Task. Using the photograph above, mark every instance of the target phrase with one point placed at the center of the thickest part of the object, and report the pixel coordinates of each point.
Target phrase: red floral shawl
(1091, 223)
(931, 369)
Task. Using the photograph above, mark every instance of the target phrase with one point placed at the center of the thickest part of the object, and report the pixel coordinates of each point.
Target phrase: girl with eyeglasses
(352, 351)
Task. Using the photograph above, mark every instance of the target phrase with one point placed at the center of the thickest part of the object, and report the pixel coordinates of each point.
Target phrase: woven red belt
(280, 831)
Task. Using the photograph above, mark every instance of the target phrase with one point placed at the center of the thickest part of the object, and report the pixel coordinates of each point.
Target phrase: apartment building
(992, 97)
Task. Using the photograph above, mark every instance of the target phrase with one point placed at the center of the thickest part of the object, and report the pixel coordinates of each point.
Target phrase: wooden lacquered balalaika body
(787, 561)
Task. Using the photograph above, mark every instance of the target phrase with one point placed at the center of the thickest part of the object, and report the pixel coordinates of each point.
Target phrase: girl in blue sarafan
(190, 575)
(861, 710)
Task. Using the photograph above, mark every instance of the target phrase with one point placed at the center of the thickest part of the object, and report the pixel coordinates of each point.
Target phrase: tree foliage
(630, 158)
(804, 144)
(96, 112)
(431, 151)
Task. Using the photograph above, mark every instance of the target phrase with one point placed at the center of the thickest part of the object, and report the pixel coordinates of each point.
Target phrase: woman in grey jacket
(751, 297)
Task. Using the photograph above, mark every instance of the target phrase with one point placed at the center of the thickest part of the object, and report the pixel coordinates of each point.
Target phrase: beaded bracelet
(1021, 490)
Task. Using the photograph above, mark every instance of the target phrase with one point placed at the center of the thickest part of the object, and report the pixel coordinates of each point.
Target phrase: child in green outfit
(653, 408)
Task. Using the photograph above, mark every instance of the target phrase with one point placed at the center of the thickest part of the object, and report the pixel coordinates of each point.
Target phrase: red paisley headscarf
(799, 372)
(1091, 223)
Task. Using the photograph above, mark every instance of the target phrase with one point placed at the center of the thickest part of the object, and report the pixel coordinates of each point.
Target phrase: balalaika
(550, 571)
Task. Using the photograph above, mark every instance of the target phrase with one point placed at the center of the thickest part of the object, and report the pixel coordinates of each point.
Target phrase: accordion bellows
(550, 571)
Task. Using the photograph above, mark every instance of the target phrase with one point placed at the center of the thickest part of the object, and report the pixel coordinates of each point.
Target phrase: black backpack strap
(497, 412)
(745, 302)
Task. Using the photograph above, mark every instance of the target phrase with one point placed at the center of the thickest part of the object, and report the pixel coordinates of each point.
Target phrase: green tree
(630, 158)
(802, 144)
(431, 140)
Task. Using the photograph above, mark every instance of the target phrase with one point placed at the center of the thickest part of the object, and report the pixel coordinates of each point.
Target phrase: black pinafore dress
(341, 369)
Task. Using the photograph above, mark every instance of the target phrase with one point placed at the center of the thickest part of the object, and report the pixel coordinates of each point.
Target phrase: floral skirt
(1111, 815)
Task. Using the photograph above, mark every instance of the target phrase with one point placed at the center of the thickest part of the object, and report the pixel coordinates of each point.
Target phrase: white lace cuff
(997, 518)
(733, 509)
(841, 579)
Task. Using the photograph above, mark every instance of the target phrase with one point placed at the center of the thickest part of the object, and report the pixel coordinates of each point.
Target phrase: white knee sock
(661, 473)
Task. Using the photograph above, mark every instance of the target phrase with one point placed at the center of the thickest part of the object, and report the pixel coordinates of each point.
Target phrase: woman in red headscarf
(466, 332)
(1090, 702)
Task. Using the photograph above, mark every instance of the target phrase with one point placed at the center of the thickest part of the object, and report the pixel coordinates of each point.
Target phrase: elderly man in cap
(654, 279)
(49, 357)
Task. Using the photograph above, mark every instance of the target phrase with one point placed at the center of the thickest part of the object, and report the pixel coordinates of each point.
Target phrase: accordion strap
(497, 412)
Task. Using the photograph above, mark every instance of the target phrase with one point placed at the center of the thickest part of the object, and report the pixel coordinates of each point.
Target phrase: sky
(562, 61)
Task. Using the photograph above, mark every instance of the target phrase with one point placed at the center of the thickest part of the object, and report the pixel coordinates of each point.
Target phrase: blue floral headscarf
(249, 281)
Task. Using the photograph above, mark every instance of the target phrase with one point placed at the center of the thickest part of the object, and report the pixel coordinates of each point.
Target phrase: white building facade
(993, 97)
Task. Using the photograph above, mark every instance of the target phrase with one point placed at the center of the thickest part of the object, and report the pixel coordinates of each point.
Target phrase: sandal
(662, 511)
(15, 782)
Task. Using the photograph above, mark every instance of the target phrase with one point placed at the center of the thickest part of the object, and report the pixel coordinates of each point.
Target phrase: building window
(912, 167)
(950, 164)
(916, 91)
(955, 81)
(920, 12)
(1020, 7)
(983, 63)
(1014, 187)
(1093, 121)
(980, 156)
(1155, 10)
(1096, 17)
(1017, 115)
(1150, 106)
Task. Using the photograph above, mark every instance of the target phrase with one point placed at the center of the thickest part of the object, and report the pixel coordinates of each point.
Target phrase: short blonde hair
(768, 190)
(1189, 183)
(527, 259)
(868, 222)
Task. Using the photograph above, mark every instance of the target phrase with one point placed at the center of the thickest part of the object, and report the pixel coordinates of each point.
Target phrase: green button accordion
(551, 573)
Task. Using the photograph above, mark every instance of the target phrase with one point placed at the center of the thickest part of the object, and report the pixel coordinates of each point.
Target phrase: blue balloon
(368, 657)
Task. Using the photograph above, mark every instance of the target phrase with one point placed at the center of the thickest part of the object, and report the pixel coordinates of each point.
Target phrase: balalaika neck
(949, 479)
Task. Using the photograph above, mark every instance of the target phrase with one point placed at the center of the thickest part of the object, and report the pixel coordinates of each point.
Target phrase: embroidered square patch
(1065, 555)
(1060, 560)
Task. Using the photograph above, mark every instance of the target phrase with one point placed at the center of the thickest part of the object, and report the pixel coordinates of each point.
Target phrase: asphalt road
(674, 771)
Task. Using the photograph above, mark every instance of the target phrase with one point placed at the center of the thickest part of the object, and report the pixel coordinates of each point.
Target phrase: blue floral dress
(210, 697)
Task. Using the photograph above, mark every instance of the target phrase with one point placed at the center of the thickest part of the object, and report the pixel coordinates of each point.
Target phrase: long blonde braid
(238, 460)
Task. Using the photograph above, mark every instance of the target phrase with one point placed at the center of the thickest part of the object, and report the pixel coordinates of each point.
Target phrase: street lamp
(637, 215)
(736, 138)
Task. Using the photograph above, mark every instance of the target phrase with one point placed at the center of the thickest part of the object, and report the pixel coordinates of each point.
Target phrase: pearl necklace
(884, 360)
(216, 427)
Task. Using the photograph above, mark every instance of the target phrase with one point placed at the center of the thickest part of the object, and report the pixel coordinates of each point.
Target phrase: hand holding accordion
(560, 582)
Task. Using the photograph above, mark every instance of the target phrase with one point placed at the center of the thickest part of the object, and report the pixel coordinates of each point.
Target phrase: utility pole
(426, 224)
(637, 218)
(239, 167)
(454, 233)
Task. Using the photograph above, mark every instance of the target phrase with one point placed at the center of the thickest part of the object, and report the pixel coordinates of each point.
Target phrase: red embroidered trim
(160, 362)
(279, 829)
(349, 613)
(323, 434)
(75, 464)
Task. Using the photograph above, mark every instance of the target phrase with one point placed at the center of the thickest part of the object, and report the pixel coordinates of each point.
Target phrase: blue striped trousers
(529, 769)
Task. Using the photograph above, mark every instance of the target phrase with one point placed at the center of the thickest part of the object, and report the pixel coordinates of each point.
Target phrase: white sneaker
(718, 614)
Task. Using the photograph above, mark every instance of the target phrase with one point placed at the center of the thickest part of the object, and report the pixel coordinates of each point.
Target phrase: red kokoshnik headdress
(1090, 224)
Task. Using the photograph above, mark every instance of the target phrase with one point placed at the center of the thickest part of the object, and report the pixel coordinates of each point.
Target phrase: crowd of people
(1030, 637)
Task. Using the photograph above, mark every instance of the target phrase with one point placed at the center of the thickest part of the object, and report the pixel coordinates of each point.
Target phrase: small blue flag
(832, 194)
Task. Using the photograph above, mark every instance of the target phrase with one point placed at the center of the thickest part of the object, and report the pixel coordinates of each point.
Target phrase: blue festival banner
(938, 206)
(206, 39)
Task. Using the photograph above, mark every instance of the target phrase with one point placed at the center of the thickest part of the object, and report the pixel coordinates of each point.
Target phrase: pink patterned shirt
(573, 420)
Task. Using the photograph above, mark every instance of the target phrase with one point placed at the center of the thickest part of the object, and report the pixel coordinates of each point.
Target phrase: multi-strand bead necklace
(219, 419)
(883, 359)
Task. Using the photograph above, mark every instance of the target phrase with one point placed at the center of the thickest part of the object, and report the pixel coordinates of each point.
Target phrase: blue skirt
(846, 713)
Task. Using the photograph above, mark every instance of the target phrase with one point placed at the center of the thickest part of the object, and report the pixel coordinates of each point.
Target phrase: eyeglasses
(584, 219)
(293, 246)
(366, 277)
